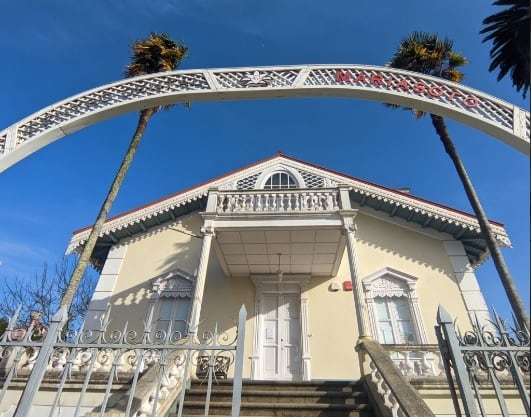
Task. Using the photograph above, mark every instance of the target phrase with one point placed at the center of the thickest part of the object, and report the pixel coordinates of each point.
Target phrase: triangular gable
(312, 175)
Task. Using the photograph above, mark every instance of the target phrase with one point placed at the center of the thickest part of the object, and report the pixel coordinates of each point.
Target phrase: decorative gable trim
(173, 284)
(306, 171)
(389, 282)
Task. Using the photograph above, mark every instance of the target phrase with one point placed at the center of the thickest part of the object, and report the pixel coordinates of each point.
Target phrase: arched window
(280, 180)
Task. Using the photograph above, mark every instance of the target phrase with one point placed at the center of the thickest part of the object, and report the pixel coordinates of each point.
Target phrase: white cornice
(370, 190)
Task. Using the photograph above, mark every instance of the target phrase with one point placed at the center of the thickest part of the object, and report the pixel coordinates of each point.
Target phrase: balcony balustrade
(416, 360)
(275, 201)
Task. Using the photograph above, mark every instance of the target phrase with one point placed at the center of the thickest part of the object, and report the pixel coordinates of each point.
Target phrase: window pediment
(173, 284)
(389, 282)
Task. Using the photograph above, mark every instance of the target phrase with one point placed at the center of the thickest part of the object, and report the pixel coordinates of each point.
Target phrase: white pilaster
(255, 359)
(305, 333)
(208, 234)
(468, 284)
(105, 287)
(362, 314)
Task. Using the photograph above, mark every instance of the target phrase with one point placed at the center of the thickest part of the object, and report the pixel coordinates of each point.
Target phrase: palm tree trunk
(499, 262)
(86, 253)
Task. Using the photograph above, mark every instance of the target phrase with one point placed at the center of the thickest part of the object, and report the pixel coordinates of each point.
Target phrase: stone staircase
(283, 399)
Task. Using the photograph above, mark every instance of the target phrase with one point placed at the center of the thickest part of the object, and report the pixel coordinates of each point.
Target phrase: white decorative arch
(500, 119)
(389, 282)
(262, 178)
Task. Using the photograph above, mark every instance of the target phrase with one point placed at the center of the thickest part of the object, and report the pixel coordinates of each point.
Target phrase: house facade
(321, 260)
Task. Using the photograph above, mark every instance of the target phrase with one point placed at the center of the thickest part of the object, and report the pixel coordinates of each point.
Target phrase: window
(171, 303)
(174, 312)
(394, 308)
(280, 180)
(394, 320)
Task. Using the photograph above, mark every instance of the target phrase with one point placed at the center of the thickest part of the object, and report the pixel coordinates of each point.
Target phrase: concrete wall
(332, 323)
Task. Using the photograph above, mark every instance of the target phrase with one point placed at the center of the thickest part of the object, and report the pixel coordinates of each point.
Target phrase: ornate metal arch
(500, 119)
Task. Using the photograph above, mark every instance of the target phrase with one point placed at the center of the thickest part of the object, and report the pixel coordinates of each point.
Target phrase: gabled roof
(364, 195)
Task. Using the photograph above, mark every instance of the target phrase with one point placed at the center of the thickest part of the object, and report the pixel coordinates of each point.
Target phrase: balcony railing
(416, 360)
(275, 201)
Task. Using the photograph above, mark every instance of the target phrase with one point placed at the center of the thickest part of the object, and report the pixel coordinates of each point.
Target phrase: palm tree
(428, 54)
(157, 53)
(509, 32)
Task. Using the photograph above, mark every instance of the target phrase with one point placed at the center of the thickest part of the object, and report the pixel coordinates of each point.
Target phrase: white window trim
(174, 284)
(264, 176)
(389, 282)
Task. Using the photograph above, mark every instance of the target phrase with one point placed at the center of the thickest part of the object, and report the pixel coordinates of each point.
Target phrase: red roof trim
(282, 155)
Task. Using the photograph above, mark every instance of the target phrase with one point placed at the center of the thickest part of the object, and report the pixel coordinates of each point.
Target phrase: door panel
(280, 336)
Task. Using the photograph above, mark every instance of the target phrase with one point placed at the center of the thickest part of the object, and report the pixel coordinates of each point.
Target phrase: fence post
(37, 374)
(238, 365)
(446, 324)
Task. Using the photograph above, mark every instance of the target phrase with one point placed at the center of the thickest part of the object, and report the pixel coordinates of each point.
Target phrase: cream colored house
(320, 259)
(325, 264)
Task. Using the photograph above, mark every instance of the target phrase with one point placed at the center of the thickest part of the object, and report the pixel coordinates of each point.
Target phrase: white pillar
(306, 358)
(208, 234)
(364, 324)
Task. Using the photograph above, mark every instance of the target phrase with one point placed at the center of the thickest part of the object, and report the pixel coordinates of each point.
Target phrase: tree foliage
(509, 32)
(155, 54)
(429, 54)
(43, 293)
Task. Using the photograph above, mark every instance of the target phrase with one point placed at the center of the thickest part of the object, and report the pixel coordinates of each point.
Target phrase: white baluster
(408, 365)
(281, 202)
(288, 201)
(297, 201)
(304, 202)
(426, 363)
(219, 203)
(335, 204)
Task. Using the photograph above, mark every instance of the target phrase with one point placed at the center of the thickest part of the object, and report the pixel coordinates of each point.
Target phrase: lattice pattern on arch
(254, 78)
(496, 117)
(247, 183)
(126, 91)
(312, 180)
(410, 84)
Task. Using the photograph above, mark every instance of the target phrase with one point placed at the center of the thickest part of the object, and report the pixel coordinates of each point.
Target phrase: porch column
(208, 234)
(364, 324)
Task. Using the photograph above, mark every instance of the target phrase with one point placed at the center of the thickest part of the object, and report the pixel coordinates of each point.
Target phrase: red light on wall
(347, 285)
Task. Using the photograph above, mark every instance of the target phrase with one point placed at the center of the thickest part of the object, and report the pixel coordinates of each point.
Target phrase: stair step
(328, 386)
(281, 399)
(252, 396)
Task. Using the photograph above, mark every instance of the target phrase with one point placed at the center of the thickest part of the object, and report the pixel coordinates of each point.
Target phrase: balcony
(281, 201)
(261, 231)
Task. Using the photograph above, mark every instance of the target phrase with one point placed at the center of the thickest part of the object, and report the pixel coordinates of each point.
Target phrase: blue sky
(54, 49)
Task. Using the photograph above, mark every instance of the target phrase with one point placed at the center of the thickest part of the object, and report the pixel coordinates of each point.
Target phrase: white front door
(280, 336)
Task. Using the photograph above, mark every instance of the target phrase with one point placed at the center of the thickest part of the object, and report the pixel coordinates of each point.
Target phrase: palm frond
(509, 32)
(428, 53)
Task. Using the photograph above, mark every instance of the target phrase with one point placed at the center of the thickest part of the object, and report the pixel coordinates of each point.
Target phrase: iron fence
(489, 357)
(96, 372)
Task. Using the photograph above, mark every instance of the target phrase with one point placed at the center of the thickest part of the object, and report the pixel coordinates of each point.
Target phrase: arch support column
(208, 234)
(362, 313)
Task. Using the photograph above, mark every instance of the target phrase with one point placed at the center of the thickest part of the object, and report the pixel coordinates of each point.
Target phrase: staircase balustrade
(391, 391)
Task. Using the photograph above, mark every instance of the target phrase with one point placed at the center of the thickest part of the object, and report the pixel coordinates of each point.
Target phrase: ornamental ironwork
(497, 118)
(491, 355)
(153, 364)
